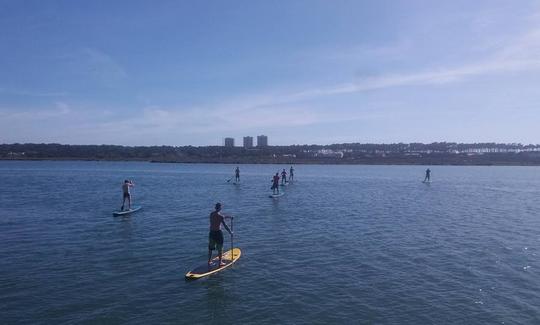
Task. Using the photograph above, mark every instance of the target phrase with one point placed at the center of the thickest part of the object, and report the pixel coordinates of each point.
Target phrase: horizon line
(288, 145)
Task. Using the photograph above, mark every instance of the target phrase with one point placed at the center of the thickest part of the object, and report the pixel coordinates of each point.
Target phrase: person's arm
(225, 225)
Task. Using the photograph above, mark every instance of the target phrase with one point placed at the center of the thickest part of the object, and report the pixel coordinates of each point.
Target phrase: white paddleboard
(125, 212)
(276, 195)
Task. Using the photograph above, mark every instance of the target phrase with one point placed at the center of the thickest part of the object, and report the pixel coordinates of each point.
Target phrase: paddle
(232, 243)
(131, 194)
(229, 179)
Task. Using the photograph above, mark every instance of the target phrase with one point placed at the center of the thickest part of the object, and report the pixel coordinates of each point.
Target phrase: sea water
(344, 245)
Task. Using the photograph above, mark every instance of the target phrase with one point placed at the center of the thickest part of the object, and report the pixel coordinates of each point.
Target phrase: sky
(301, 72)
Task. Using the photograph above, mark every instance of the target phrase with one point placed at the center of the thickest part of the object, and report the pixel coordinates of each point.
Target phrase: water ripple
(346, 244)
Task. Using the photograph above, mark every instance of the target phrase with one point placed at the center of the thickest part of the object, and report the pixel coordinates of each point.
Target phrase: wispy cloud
(31, 93)
(60, 109)
(94, 64)
(522, 54)
(298, 109)
(298, 106)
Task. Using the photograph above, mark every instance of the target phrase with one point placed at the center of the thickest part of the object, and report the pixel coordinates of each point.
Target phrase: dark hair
(218, 206)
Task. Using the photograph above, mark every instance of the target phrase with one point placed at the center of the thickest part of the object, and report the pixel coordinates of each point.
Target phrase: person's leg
(211, 247)
(220, 253)
(123, 202)
(129, 201)
(220, 249)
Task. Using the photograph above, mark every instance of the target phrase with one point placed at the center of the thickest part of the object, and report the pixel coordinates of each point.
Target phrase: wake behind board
(206, 270)
(126, 212)
(276, 195)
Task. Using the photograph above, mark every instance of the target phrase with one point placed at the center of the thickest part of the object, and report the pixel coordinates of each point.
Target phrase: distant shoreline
(303, 162)
(433, 154)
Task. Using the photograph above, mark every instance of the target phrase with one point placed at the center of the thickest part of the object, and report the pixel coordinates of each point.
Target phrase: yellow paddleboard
(205, 269)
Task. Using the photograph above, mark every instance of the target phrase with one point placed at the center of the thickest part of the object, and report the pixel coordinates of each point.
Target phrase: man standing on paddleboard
(428, 175)
(275, 184)
(237, 174)
(283, 177)
(215, 237)
(291, 174)
(125, 188)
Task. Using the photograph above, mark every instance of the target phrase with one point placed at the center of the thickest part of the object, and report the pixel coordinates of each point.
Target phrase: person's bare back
(215, 221)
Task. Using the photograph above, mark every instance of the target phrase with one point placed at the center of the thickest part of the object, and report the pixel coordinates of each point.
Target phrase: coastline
(445, 153)
(374, 162)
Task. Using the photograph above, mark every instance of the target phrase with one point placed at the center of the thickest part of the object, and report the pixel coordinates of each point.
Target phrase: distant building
(248, 142)
(229, 142)
(262, 141)
(329, 153)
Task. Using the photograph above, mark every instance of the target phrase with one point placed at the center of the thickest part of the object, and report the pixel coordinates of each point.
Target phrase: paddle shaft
(232, 243)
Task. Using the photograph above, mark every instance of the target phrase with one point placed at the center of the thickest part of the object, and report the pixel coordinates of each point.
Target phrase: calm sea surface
(344, 245)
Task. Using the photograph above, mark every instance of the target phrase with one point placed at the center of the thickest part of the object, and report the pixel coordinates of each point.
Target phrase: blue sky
(301, 72)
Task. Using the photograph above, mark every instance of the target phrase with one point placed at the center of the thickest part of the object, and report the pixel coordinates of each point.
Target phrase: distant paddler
(237, 174)
(283, 177)
(215, 237)
(291, 174)
(126, 193)
(275, 184)
(428, 176)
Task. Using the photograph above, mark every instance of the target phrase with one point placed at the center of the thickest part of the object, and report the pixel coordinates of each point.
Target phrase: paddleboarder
(237, 174)
(275, 184)
(291, 174)
(127, 195)
(428, 175)
(215, 236)
(283, 177)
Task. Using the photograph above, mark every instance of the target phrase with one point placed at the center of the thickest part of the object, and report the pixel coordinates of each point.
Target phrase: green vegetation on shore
(439, 153)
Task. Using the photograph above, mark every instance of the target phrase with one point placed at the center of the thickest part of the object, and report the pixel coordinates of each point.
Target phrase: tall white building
(262, 141)
(248, 142)
(229, 142)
